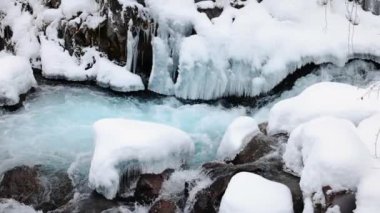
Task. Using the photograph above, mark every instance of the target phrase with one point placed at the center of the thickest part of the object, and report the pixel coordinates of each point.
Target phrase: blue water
(55, 126)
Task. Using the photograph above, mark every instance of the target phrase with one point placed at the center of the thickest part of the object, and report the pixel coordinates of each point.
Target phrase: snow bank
(248, 192)
(368, 195)
(322, 99)
(117, 78)
(326, 152)
(16, 78)
(237, 135)
(58, 64)
(149, 146)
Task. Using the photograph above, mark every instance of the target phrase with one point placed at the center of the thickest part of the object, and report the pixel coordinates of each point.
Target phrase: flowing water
(54, 127)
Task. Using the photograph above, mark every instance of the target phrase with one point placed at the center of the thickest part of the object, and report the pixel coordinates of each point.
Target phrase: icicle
(135, 50)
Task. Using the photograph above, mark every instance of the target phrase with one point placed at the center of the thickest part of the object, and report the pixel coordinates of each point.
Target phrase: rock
(344, 199)
(52, 3)
(22, 184)
(148, 187)
(90, 203)
(211, 13)
(163, 206)
(37, 186)
(263, 128)
(259, 146)
(208, 199)
(112, 34)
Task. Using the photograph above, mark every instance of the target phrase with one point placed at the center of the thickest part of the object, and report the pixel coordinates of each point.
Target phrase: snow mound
(322, 99)
(248, 192)
(369, 131)
(326, 151)
(237, 135)
(133, 144)
(16, 78)
(368, 195)
(12, 206)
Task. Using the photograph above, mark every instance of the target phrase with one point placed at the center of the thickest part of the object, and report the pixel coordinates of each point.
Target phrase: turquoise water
(55, 126)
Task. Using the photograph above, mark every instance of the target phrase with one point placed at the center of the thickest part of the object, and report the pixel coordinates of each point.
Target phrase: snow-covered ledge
(16, 78)
(132, 144)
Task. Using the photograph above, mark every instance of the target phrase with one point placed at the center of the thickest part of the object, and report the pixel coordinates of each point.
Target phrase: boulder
(163, 206)
(22, 184)
(37, 186)
(259, 146)
(148, 186)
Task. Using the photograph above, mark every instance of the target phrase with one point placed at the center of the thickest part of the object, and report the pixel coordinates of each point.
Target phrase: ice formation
(326, 151)
(248, 192)
(130, 144)
(248, 51)
(16, 78)
(237, 135)
(323, 99)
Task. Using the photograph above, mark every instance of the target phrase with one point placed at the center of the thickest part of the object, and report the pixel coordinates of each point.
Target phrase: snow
(237, 135)
(23, 28)
(149, 146)
(117, 77)
(326, 151)
(249, 192)
(12, 206)
(368, 195)
(323, 99)
(369, 131)
(16, 78)
(248, 51)
(70, 8)
(58, 64)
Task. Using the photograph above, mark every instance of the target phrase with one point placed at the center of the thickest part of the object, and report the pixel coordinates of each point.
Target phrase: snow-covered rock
(323, 99)
(237, 135)
(368, 195)
(16, 78)
(326, 151)
(128, 144)
(248, 192)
